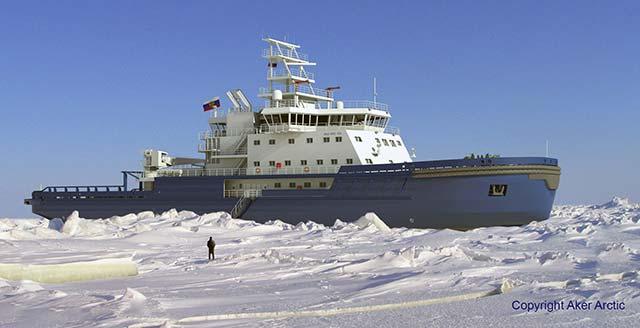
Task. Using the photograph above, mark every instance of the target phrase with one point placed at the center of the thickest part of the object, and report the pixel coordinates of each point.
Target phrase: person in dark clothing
(211, 244)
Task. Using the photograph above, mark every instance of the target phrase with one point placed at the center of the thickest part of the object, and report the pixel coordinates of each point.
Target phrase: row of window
(321, 184)
(293, 141)
(369, 161)
(385, 142)
(304, 162)
(390, 141)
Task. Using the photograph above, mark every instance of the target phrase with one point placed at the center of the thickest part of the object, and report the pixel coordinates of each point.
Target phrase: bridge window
(287, 163)
(323, 120)
(256, 142)
(256, 163)
(272, 141)
(349, 160)
(319, 162)
(292, 141)
(326, 139)
(303, 162)
(309, 140)
(334, 161)
(272, 163)
(338, 139)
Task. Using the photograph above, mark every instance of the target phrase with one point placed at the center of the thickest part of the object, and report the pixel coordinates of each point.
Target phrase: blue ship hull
(457, 194)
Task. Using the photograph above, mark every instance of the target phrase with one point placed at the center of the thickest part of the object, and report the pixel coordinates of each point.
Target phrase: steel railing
(83, 188)
(355, 104)
(305, 74)
(247, 193)
(285, 52)
(269, 170)
(324, 105)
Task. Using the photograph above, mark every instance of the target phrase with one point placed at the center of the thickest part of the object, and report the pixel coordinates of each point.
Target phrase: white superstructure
(300, 130)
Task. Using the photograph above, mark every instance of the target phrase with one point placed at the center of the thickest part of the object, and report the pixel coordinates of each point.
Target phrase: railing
(286, 53)
(82, 188)
(310, 90)
(296, 170)
(323, 104)
(225, 133)
(222, 112)
(196, 172)
(242, 151)
(355, 104)
(392, 130)
(248, 193)
(287, 103)
(305, 74)
(271, 170)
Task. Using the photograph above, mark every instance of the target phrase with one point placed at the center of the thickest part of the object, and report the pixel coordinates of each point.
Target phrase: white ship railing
(392, 130)
(286, 53)
(310, 90)
(355, 104)
(271, 170)
(225, 133)
(281, 128)
(306, 75)
(324, 105)
(247, 193)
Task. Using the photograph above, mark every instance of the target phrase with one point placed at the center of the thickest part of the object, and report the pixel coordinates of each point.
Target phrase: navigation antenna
(375, 92)
(547, 146)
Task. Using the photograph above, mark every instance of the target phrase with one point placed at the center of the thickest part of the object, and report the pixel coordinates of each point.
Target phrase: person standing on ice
(211, 244)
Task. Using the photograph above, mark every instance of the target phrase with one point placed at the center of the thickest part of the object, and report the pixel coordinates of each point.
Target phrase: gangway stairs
(243, 203)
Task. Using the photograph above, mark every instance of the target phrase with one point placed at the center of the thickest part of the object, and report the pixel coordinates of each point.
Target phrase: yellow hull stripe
(551, 174)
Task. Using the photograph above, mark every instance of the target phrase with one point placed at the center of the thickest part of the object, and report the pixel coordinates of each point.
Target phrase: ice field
(146, 270)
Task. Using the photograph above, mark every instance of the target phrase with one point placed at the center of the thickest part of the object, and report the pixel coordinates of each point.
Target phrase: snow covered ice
(348, 274)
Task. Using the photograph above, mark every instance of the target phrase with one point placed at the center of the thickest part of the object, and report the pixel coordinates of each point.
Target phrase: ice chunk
(132, 295)
(67, 272)
(371, 219)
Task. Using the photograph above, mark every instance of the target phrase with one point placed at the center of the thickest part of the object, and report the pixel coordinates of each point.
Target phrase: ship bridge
(293, 104)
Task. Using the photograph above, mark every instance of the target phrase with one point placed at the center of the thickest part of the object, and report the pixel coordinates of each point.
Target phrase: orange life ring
(257, 170)
(306, 169)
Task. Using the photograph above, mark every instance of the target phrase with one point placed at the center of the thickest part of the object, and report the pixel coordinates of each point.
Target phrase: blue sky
(86, 86)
